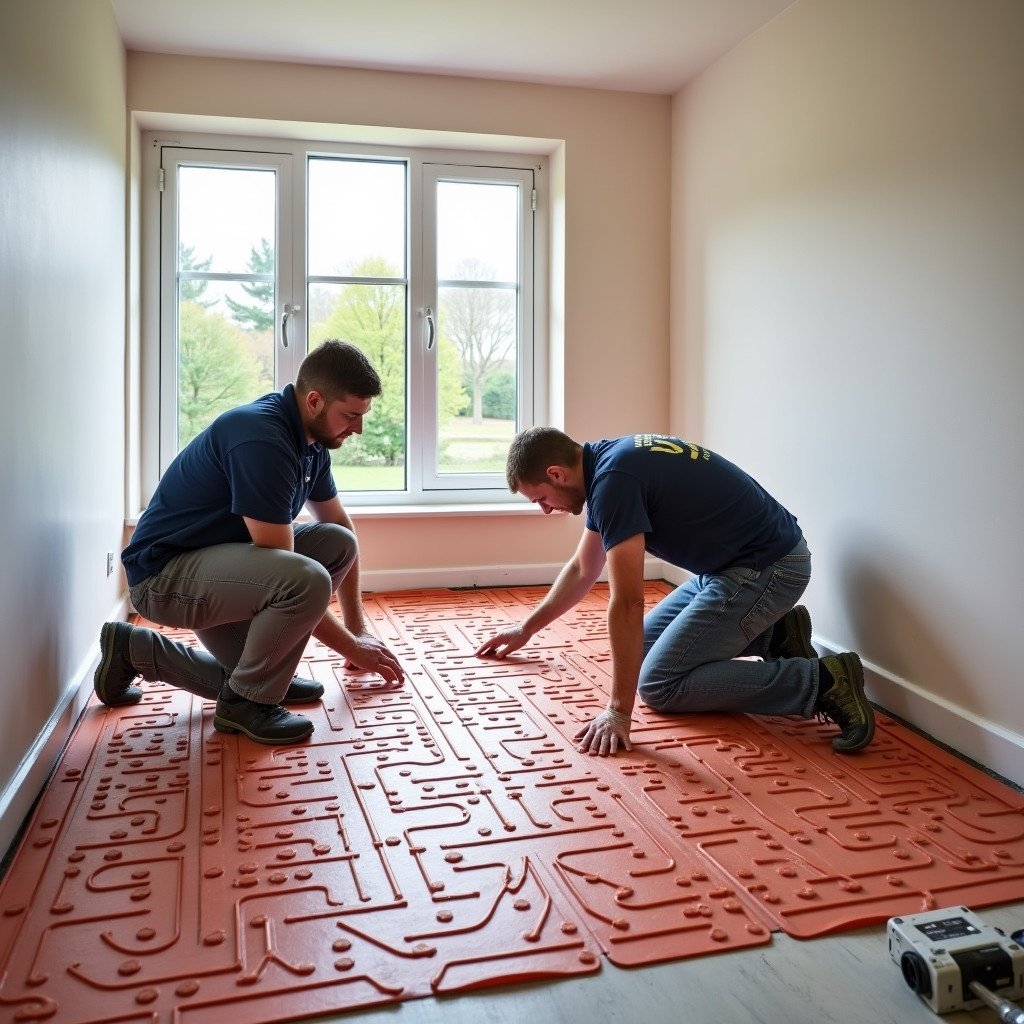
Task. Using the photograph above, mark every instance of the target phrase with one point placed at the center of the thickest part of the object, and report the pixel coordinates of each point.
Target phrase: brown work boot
(845, 703)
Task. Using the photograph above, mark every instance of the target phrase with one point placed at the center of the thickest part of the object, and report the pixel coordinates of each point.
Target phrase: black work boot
(791, 637)
(115, 673)
(845, 704)
(264, 723)
(303, 691)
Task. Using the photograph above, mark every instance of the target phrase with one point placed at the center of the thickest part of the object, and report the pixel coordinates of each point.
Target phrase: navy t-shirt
(695, 509)
(250, 461)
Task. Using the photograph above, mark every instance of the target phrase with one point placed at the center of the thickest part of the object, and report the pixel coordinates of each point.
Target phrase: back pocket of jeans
(783, 591)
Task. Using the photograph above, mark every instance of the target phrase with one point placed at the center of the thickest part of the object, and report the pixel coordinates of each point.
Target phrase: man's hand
(370, 655)
(502, 645)
(605, 734)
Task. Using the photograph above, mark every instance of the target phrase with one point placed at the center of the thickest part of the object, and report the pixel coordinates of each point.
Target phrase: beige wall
(611, 210)
(62, 268)
(848, 320)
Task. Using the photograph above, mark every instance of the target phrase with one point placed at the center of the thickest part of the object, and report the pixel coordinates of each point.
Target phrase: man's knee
(653, 688)
(312, 583)
(342, 538)
(334, 546)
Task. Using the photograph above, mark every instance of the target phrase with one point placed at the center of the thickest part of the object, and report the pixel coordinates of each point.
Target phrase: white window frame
(159, 373)
(281, 164)
(524, 178)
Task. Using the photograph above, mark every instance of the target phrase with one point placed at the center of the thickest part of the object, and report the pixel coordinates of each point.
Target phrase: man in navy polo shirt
(729, 639)
(218, 552)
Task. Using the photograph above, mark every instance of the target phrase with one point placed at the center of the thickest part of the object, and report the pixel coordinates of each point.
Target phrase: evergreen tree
(260, 316)
(192, 291)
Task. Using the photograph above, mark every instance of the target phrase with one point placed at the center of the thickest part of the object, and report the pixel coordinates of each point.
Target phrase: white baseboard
(988, 743)
(21, 790)
(673, 574)
(537, 574)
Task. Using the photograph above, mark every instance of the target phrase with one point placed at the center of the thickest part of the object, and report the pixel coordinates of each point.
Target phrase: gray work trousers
(254, 610)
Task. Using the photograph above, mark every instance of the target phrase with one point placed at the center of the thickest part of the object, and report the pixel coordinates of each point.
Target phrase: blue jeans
(691, 636)
(254, 609)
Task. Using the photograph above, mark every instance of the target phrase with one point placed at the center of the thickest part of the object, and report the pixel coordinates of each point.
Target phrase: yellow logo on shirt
(670, 446)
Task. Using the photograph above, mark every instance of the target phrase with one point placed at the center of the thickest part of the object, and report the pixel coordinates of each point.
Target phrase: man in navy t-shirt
(218, 551)
(731, 638)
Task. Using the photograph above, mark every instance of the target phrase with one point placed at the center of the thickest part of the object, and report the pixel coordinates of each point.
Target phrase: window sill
(439, 511)
(445, 510)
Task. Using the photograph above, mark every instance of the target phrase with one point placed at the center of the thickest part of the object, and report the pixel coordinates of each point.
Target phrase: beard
(317, 429)
(571, 500)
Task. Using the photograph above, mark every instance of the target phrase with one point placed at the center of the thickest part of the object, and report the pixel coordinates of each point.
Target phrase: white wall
(848, 323)
(610, 184)
(62, 268)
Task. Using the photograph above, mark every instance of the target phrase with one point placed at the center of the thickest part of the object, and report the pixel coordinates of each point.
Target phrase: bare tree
(481, 322)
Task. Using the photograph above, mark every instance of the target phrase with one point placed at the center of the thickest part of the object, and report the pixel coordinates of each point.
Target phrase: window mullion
(420, 300)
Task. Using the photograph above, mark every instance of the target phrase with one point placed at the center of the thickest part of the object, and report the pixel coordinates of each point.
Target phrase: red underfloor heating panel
(447, 835)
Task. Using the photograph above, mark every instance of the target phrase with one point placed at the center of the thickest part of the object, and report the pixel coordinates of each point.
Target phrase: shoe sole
(272, 741)
(857, 680)
(108, 635)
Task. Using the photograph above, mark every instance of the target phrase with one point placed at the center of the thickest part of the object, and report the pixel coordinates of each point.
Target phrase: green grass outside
(468, 448)
(392, 478)
(369, 478)
(464, 427)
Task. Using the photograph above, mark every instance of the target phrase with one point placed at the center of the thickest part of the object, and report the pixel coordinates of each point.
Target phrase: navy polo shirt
(250, 461)
(695, 509)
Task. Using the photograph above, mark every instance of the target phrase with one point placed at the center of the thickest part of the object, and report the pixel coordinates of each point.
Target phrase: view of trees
(192, 291)
(373, 317)
(258, 317)
(481, 322)
(215, 372)
(222, 361)
(225, 351)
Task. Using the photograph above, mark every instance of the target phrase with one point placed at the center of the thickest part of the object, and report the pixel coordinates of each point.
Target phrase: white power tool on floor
(954, 961)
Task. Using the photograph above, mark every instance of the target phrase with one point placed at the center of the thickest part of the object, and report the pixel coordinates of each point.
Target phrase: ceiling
(651, 46)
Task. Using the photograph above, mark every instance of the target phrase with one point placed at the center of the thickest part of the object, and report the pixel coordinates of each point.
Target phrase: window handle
(289, 312)
(430, 328)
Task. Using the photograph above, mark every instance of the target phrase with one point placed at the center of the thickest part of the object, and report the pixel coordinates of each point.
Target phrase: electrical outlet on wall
(110, 563)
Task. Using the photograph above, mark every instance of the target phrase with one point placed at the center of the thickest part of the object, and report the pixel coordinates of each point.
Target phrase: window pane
(225, 327)
(224, 215)
(356, 218)
(371, 317)
(477, 243)
(222, 362)
(476, 378)
(477, 232)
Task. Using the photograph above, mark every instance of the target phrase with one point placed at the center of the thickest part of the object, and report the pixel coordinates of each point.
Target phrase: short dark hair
(533, 450)
(337, 369)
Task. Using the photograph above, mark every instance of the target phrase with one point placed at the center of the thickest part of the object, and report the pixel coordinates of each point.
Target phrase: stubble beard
(320, 436)
(574, 501)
